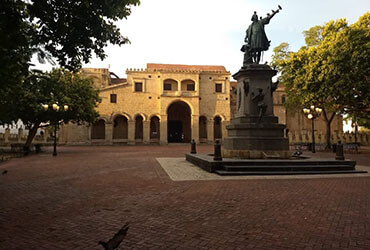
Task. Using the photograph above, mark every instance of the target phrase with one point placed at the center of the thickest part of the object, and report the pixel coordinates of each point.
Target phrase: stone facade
(171, 103)
(160, 104)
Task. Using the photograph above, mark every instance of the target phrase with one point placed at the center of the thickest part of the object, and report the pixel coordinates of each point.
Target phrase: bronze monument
(256, 39)
(254, 132)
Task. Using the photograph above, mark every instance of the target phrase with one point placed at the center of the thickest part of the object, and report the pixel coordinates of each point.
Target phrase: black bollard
(217, 155)
(339, 151)
(193, 149)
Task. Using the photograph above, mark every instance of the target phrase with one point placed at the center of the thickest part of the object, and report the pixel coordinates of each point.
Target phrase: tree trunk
(31, 134)
(328, 121)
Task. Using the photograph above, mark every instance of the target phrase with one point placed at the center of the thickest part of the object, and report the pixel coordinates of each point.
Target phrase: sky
(211, 32)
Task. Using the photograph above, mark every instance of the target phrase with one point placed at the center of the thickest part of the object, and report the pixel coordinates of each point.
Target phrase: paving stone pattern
(86, 194)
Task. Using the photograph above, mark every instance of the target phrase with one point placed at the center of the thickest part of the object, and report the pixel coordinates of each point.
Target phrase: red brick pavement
(86, 194)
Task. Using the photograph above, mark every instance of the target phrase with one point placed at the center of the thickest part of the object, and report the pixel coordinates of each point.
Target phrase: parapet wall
(363, 138)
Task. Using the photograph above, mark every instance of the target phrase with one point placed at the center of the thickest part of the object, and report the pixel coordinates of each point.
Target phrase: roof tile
(158, 66)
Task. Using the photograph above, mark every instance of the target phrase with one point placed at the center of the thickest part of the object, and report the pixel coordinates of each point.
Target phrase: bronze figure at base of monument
(254, 132)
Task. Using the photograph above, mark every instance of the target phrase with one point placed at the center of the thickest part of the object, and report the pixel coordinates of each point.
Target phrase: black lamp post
(56, 108)
(355, 124)
(312, 113)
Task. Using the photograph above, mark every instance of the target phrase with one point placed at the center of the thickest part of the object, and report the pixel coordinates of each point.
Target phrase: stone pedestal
(255, 133)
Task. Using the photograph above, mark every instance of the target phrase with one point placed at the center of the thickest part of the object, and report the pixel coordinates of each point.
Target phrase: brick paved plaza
(86, 194)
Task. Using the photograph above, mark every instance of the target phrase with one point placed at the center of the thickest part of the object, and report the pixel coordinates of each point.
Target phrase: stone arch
(98, 129)
(185, 83)
(222, 116)
(203, 128)
(154, 128)
(179, 121)
(126, 115)
(181, 100)
(172, 82)
(153, 115)
(144, 116)
(120, 127)
(217, 127)
(139, 127)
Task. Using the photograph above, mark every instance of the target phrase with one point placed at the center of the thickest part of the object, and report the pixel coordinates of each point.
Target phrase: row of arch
(179, 126)
(120, 128)
(174, 85)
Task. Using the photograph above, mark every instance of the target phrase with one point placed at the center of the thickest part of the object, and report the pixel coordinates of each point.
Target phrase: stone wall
(79, 134)
(363, 138)
(153, 101)
(7, 138)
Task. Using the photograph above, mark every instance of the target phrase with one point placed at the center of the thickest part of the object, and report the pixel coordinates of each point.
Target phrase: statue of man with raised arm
(256, 39)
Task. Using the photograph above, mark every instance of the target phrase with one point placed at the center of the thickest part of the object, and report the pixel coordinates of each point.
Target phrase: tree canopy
(331, 71)
(68, 32)
(59, 87)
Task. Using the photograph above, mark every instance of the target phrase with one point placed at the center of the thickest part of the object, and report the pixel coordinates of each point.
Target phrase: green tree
(15, 53)
(313, 36)
(68, 31)
(58, 86)
(280, 55)
(71, 30)
(351, 52)
(331, 71)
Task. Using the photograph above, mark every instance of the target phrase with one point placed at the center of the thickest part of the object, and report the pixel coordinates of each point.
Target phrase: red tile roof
(158, 66)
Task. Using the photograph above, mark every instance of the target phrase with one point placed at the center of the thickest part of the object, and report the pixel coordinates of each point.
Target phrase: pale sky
(211, 32)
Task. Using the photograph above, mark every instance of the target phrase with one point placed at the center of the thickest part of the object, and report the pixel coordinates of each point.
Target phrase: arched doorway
(179, 122)
(98, 130)
(154, 129)
(120, 127)
(217, 127)
(139, 128)
(203, 129)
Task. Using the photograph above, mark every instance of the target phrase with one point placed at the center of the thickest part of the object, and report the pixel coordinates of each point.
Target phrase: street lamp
(56, 108)
(312, 113)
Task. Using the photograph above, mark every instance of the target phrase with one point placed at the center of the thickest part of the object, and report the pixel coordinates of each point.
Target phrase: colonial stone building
(160, 104)
(167, 103)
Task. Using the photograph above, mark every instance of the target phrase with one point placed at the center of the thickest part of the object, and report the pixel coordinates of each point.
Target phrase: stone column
(146, 132)
(45, 136)
(163, 130)
(223, 128)
(320, 138)
(210, 131)
(179, 88)
(290, 136)
(7, 135)
(365, 139)
(20, 134)
(362, 138)
(195, 128)
(296, 137)
(131, 132)
(89, 128)
(335, 137)
(317, 138)
(304, 136)
(109, 132)
(341, 137)
(161, 86)
(353, 137)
